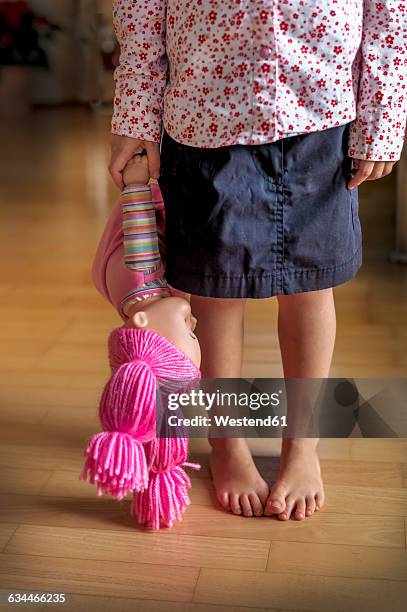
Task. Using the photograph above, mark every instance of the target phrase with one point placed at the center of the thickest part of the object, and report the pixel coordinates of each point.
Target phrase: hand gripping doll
(156, 343)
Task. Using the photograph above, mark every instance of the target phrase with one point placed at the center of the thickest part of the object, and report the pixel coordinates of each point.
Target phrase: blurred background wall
(79, 45)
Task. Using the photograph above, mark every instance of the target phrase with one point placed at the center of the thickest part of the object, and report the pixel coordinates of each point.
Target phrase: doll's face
(170, 317)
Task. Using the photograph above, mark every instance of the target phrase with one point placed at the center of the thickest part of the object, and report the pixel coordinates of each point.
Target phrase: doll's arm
(140, 237)
(160, 217)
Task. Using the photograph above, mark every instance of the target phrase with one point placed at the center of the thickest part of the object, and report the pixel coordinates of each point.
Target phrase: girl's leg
(239, 486)
(306, 328)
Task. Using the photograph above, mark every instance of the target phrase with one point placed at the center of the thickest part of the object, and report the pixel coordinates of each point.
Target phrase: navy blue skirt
(254, 221)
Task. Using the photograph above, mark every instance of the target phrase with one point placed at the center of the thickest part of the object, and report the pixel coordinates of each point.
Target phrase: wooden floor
(56, 535)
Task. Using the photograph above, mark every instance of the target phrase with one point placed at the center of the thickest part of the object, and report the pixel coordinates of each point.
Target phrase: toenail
(300, 515)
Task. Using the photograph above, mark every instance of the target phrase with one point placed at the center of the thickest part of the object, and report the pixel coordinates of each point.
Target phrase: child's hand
(136, 169)
(369, 171)
(123, 148)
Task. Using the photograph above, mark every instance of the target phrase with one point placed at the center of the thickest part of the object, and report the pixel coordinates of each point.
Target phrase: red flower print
(221, 89)
(263, 16)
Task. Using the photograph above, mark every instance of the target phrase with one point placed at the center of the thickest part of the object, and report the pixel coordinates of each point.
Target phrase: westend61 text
(227, 421)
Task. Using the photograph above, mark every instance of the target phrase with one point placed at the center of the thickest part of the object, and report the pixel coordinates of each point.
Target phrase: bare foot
(239, 486)
(298, 489)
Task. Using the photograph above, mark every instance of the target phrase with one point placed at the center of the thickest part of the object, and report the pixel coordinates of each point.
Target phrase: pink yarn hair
(127, 456)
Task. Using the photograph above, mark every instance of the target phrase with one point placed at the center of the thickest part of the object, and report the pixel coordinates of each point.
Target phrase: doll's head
(170, 317)
(127, 456)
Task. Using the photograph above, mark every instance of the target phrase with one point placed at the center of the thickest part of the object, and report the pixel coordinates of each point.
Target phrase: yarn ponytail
(166, 497)
(116, 460)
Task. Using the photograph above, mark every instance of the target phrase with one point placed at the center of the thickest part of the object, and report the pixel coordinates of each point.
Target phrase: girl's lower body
(257, 221)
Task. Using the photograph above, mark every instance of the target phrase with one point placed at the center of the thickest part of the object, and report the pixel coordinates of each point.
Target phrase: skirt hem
(263, 286)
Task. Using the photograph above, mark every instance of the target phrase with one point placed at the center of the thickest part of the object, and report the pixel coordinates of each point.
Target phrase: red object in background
(41, 24)
(12, 12)
(21, 35)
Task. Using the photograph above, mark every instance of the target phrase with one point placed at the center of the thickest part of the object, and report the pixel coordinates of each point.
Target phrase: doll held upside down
(155, 344)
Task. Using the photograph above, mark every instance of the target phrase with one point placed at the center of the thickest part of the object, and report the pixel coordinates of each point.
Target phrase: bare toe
(319, 501)
(223, 499)
(235, 504)
(263, 493)
(285, 515)
(256, 504)
(300, 509)
(310, 508)
(246, 505)
(276, 503)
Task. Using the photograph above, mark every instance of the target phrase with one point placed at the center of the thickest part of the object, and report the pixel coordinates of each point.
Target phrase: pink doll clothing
(116, 281)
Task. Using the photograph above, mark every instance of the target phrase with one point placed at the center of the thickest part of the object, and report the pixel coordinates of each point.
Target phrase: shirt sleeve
(378, 131)
(142, 73)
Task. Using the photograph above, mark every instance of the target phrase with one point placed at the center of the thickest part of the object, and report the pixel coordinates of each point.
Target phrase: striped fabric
(141, 250)
(149, 289)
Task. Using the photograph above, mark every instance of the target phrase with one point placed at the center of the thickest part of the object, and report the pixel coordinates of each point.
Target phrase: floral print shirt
(222, 72)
